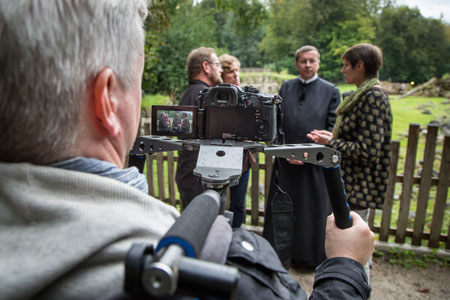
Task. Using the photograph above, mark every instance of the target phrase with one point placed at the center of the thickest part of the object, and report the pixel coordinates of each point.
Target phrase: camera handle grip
(338, 197)
(191, 228)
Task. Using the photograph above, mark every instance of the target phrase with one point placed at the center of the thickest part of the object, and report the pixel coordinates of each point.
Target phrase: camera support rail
(171, 265)
(220, 161)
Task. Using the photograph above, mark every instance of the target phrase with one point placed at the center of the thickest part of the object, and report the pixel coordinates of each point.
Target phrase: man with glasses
(204, 70)
(308, 102)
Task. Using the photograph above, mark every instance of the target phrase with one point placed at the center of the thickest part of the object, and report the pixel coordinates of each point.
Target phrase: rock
(446, 128)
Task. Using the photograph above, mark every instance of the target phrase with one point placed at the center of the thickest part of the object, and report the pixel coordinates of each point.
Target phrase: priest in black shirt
(309, 102)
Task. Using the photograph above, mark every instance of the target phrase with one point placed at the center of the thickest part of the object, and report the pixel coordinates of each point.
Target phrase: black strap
(280, 133)
(282, 215)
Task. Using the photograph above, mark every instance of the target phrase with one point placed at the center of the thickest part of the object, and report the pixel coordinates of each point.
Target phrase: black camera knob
(262, 127)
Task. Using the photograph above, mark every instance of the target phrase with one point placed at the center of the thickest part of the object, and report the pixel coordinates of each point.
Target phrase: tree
(415, 48)
(288, 25)
(344, 35)
(239, 28)
(328, 25)
(243, 46)
(230, 26)
(189, 27)
(154, 26)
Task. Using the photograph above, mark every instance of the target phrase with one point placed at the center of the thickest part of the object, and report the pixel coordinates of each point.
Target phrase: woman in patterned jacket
(362, 132)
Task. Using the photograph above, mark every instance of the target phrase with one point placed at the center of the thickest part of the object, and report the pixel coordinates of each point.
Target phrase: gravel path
(396, 282)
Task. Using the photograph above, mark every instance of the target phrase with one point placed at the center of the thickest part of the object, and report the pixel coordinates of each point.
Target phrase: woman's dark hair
(369, 54)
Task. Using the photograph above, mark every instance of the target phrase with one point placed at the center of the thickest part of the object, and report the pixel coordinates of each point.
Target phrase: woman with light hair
(231, 67)
(230, 74)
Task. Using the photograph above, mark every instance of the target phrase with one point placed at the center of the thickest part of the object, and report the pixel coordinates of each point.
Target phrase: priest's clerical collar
(309, 80)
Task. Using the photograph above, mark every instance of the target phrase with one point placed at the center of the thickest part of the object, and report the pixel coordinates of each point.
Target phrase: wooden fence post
(441, 197)
(171, 177)
(255, 191)
(425, 184)
(410, 162)
(160, 172)
(388, 201)
(150, 177)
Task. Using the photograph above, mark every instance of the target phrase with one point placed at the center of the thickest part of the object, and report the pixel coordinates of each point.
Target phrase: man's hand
(356, 242)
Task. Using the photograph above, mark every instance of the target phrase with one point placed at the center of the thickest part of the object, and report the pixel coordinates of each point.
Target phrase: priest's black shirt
(305, 107)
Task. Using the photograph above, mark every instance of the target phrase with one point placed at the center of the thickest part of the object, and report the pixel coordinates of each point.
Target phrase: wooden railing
(161, 178)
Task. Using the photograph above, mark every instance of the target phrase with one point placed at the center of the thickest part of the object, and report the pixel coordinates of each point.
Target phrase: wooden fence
(162, 185)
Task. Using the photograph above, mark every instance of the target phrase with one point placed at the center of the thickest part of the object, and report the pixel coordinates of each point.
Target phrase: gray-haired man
(69, 110)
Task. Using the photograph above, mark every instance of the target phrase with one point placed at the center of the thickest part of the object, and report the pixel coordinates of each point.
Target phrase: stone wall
(264, 83)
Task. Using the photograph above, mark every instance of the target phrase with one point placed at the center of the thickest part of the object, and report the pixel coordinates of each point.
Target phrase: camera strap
(282, 217)
(280, 132)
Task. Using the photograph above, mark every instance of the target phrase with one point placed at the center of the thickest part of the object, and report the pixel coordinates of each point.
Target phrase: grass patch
(409, 258)
(419, 110)
(154, 99)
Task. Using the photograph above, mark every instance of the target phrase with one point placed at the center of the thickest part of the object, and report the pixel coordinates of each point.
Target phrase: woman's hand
(322, 137)
(295, 162)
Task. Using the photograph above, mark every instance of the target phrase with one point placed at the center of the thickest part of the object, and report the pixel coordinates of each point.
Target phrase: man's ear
(205, 67)
(105, 103)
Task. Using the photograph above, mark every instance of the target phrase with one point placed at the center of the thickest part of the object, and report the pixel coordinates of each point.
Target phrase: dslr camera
(225, 111)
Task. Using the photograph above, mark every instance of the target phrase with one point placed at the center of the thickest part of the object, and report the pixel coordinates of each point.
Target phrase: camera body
(224, 112)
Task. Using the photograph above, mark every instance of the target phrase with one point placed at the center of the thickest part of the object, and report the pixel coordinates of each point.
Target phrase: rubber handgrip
(191, 228)
(338, 197)
(138, 161)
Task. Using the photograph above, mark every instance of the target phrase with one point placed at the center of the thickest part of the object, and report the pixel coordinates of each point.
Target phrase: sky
(430, 8)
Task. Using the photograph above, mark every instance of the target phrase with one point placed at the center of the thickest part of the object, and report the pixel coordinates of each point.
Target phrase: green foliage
(155, 24)
(155, 99)
(378, 254)
(267, 33)
(346, 34)
(189, 27)
(229, 26)
(331, 27)
(288, 24)
(409, 258)
(414, 48)
(240, 43)
(249, 15)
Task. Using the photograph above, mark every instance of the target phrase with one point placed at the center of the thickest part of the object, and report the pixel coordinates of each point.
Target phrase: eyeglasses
(218, 64)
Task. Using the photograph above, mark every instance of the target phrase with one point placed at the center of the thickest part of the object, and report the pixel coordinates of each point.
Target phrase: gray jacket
(65, 234)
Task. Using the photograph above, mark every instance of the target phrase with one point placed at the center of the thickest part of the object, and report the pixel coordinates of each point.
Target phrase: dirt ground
(396, 282)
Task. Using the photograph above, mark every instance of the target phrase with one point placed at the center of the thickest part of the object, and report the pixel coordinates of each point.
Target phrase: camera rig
(225, 111)
(172, 268)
